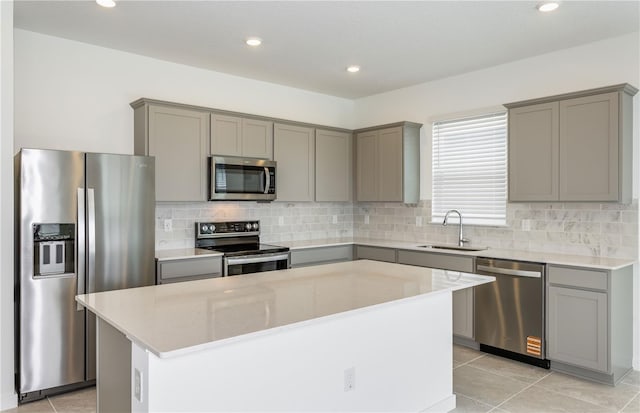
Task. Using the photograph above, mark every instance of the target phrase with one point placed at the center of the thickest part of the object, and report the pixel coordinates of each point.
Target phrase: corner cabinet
(388, 163)
(589, 321)
(235, 136)
(572, 147)
(179, 140)
(294, 151)
(334, 166)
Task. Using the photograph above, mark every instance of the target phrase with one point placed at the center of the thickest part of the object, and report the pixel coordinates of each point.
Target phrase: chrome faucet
(461, 240)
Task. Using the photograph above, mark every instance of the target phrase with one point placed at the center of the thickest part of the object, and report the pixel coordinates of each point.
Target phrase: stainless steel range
(240, 243)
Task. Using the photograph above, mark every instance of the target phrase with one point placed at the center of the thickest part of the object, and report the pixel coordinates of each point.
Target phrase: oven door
(246, 264)
(242, 179)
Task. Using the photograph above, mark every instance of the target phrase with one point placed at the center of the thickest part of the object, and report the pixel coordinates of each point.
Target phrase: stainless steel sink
(453, 247)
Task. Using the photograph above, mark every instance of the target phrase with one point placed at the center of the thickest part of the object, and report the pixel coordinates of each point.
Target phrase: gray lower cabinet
(334, 166)
(294, 150)
(179, 140)
(188, 269)
(375, 253)
(589, 321)
(388, 163)
(236, 136)
(462, 299)
(572, 147)
(321, 255)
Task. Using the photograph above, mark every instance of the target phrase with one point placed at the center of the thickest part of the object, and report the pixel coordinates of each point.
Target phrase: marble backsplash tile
(592, 229)
(279, 221)
(586, 228)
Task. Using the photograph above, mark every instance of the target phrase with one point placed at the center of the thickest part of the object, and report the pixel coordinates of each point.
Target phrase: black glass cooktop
(246, 249)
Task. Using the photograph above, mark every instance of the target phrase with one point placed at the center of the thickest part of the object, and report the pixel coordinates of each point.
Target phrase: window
(470, 169)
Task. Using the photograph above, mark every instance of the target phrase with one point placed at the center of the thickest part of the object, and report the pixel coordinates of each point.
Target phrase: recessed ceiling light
(353, 69)
(106, 3)
(549, 6)
(254, 41)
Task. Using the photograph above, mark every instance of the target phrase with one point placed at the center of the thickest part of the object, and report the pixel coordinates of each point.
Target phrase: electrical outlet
(335, 219)
(366, 219)
(350, 379)
(137, 385)
(280, 221)
(168, 225)
(418, 221)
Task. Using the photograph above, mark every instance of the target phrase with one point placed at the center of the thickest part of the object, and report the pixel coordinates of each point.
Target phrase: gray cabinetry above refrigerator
(178, 137)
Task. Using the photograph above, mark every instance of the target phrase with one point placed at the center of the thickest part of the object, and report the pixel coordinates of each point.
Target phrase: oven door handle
(256, 259)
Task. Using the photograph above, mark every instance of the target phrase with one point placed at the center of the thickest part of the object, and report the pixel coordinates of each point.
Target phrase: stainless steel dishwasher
(509, 313)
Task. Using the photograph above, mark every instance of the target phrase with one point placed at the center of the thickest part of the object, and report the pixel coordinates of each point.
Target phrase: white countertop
(184, 253)
(517, 255)
(175, 319)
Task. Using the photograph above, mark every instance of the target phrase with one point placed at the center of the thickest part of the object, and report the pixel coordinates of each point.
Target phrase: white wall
(603, 63)
(7, 393)
(75, 96)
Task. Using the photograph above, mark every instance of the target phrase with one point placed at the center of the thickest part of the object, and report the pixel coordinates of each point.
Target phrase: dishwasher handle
(506, 271)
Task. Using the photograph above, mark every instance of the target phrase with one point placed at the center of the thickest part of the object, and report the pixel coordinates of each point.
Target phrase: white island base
(391, 356)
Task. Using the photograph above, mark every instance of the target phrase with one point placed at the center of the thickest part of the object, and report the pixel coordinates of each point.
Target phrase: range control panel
(221, 229)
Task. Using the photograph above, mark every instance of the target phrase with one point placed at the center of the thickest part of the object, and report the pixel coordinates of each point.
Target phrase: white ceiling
(308, 45)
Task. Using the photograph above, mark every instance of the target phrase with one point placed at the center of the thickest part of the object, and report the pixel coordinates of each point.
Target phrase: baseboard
(445, 405)
(467, 342)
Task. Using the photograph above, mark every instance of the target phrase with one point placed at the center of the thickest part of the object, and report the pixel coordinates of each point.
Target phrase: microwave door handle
(267, 180)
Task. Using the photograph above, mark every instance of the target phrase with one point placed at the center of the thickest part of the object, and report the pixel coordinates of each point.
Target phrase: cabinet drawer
(189, 268)
(578, 277)
(321, 255)
(443, 261)
(375, 253)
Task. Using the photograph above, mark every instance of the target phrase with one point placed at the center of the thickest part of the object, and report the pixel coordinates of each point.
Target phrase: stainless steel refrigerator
(84, 223)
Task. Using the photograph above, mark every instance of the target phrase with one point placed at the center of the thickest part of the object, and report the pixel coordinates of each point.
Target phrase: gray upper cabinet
(388, 163)
(533, 154)
(235, 136)
(573, 147)
(334, 165)
(179, 140)
(590, 164)
(294, 151)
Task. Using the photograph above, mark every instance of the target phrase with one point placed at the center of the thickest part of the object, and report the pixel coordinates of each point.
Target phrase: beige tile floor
(486, 383)
(482, 382)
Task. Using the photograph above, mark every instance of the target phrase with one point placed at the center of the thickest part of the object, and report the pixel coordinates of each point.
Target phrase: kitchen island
(352, 336)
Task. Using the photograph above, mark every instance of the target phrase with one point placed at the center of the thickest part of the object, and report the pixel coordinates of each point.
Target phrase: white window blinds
(470, 169)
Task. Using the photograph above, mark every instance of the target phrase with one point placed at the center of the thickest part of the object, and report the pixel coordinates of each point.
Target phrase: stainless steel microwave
(241, 179)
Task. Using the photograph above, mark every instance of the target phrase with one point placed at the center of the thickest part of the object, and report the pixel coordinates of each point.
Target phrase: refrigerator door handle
(80, 247)
(91, 241)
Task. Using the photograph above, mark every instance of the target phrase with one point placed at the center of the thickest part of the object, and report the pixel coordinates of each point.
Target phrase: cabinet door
(390, 167)
(367, 166)
(533, 153)
(463, 313)
(375, 253)
(333, 166)
(257, 138)
(589, 148)
(179, 140)
(577, 327)
(293, 149)
(226, 135)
